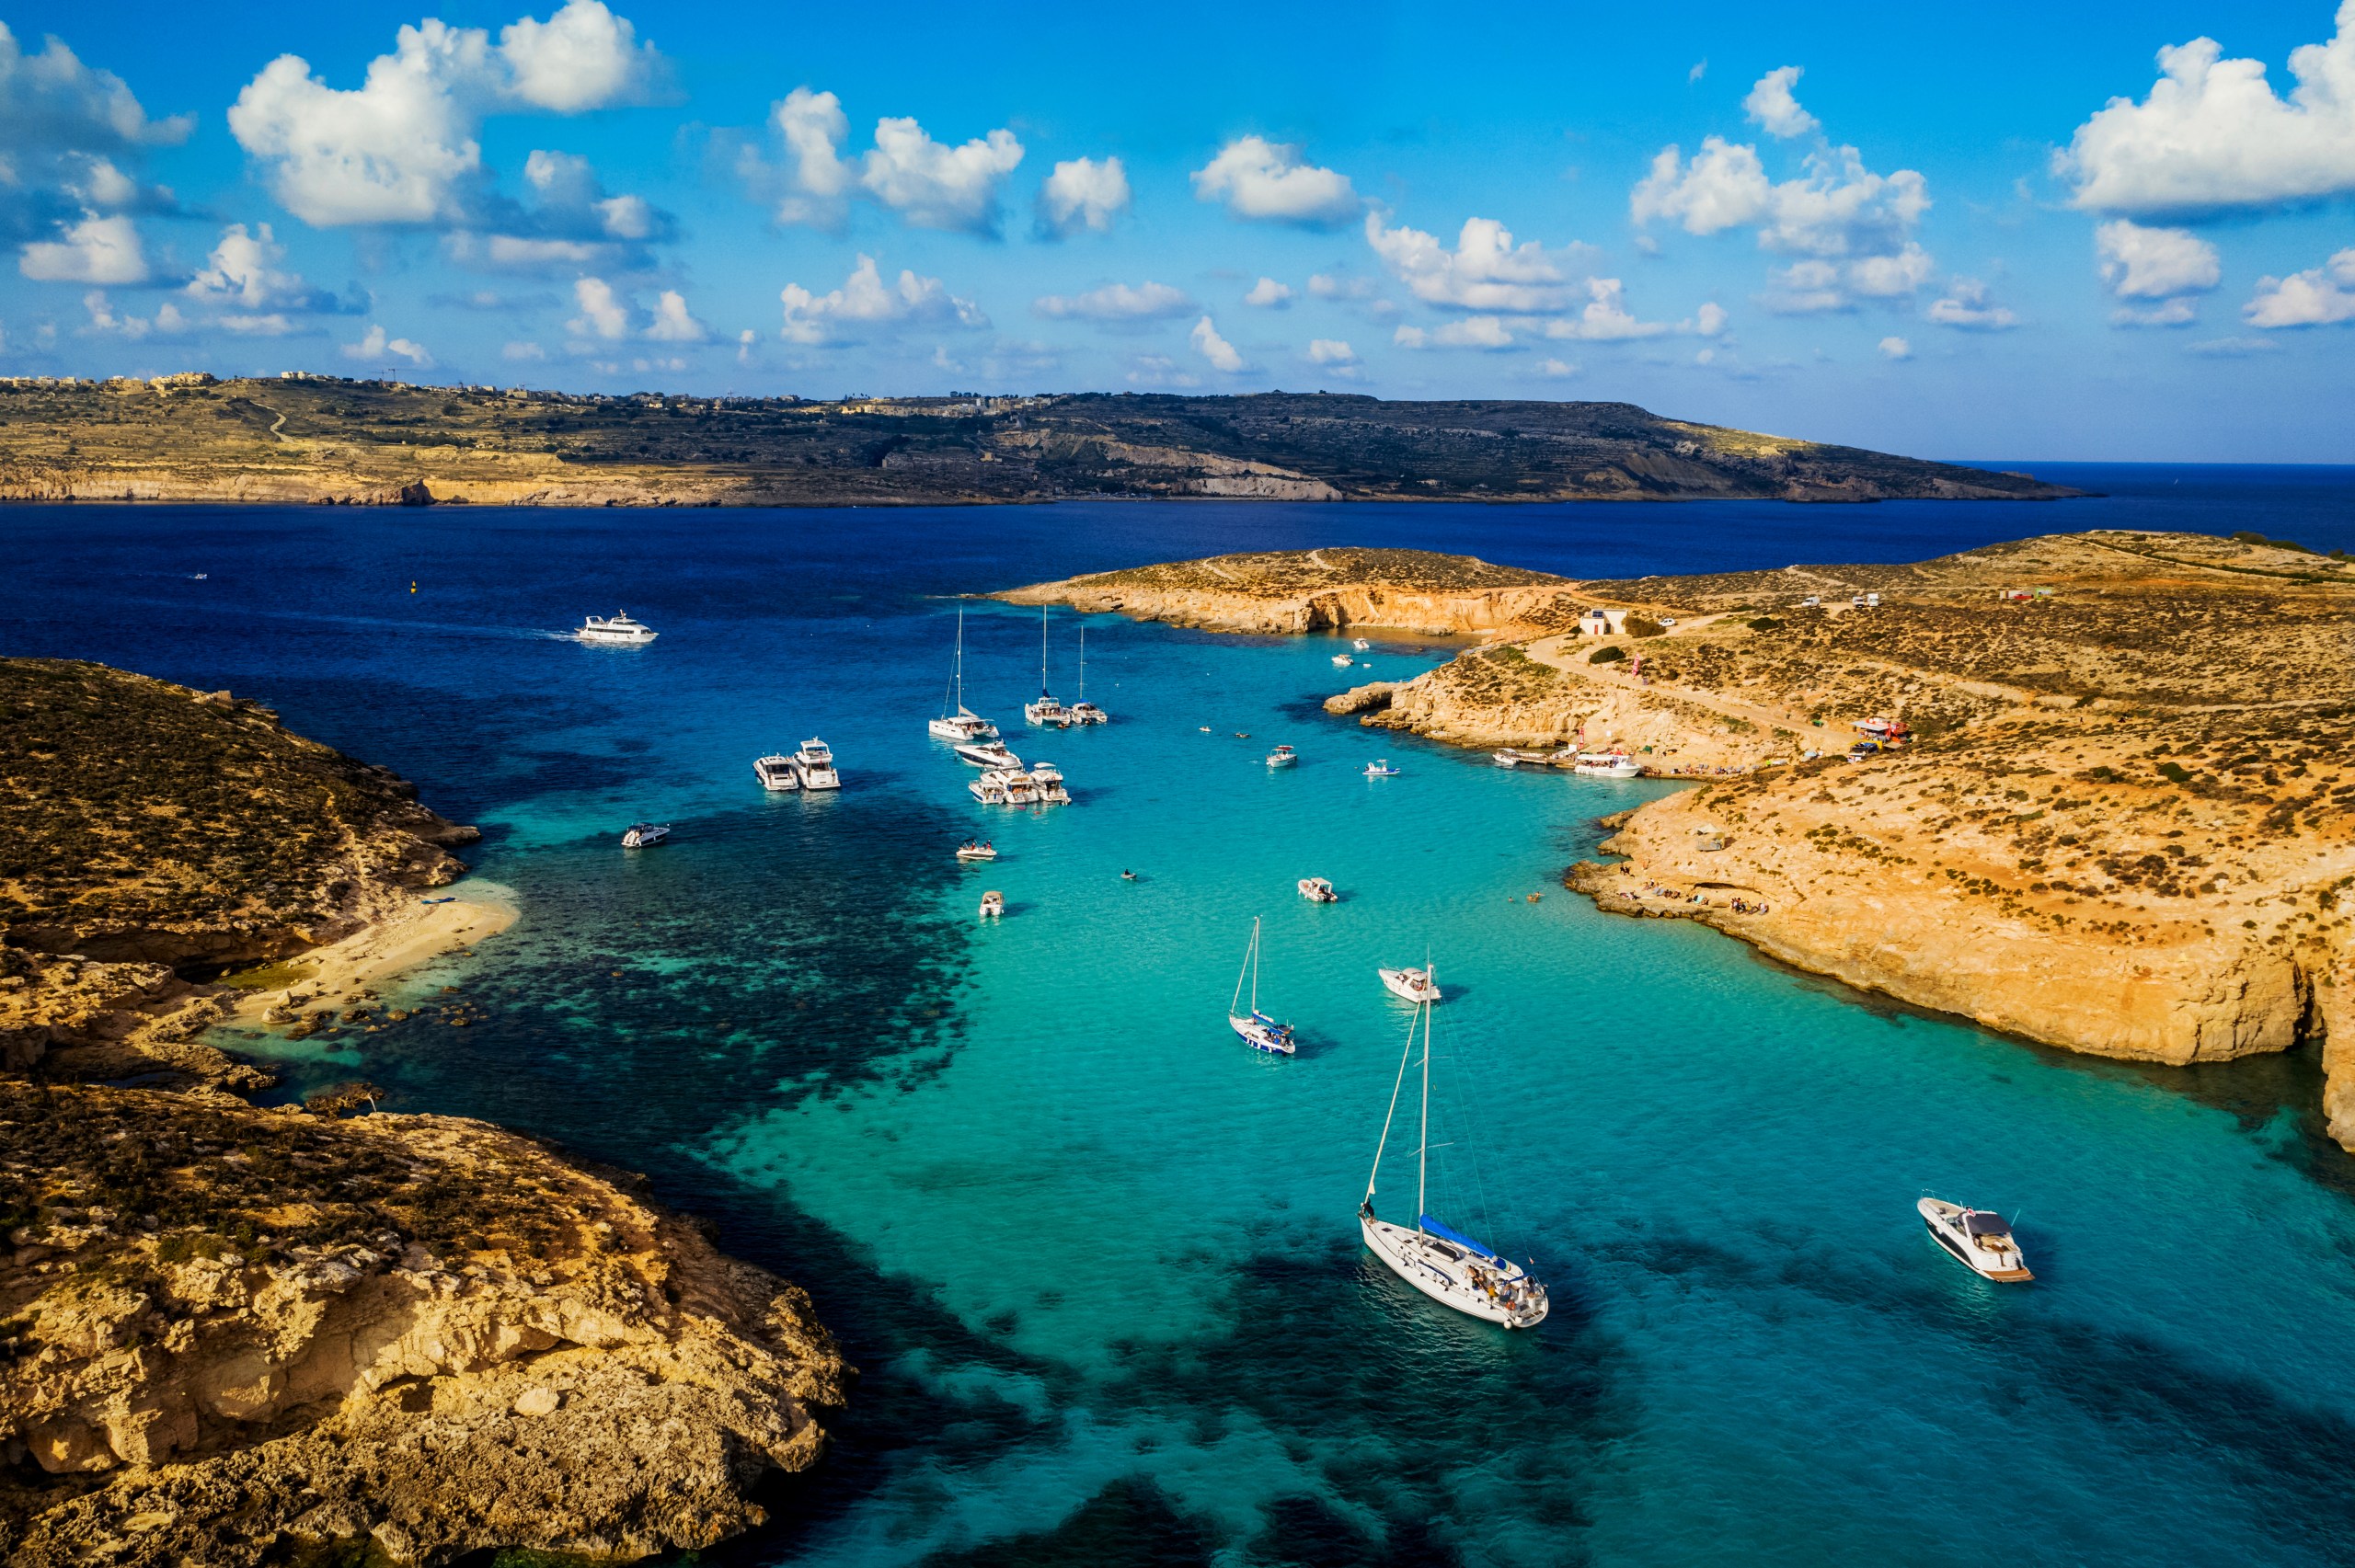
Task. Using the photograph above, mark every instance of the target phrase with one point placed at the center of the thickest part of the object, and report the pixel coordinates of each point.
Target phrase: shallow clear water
(1097, 1261)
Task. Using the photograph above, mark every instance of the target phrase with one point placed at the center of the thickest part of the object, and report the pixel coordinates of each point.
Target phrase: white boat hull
(1259, 1036)
(1446, 1274)
(2001, 1261)
(818, 778)
(1409, 984)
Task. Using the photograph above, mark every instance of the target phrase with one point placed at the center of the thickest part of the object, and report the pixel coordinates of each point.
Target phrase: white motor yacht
(1981, 1241)
(1282, 757)
(1361, 645)
(1444, 1264)
(958, 722)
(1611, 764)
(815, 763)
(1410, 985)
(1380, 767)
(1316, 890)
(1342, 661)
(620, 629)
(1021, 789)
(990, 788)
(1050, 780)
(645, 835)
(1254, 1028)
(776, 773)
(992, 904)
(987, 754)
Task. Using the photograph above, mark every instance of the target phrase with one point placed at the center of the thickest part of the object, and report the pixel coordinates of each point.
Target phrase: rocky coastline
(237, 1335)
(2124, 825)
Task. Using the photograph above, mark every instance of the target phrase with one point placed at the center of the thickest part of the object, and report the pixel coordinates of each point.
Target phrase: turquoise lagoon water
(1096, 1260)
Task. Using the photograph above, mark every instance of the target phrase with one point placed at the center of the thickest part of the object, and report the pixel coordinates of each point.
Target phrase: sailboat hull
(1451, 1277)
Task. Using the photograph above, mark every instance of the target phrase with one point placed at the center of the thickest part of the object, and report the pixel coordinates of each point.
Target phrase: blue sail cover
(1461, 1239)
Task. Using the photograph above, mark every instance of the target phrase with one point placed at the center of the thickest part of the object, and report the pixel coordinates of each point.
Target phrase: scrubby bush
(1639, 626)
(1765, 624)
(1611, 655)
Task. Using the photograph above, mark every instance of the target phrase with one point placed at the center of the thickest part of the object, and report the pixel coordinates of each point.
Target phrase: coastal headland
(2120, 818)
(319, 440)
(235, 1334)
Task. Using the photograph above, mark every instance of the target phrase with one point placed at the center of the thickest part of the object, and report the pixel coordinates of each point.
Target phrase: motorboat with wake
(645, 835)
(1046, 710)
(958, 722)
(1254, 1028)
(1411, 985)
(986, 754)
(1316, 890)
(620, 631)
(1443, 1263)
(815, 764)
(776, 773)
(1084, 711)
(1980, 1240)
(1282, 757)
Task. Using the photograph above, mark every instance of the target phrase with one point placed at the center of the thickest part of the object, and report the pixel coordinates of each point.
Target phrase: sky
(2050, 232)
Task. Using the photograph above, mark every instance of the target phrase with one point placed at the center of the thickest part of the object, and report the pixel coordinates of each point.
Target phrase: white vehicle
(1444, 1264)
(1611, 764)
(1046, 710)
(1316, 890)
(645, 835)
(1342, 661)
(987, 754)
(1254, 1028)
(1981, 1241)
(958, 722)
(776, 773)
(1282, 757)
(1050, 780)
(992, 904)
(1410, 985)
(815, 763)
(621, 629)
(1084, 711)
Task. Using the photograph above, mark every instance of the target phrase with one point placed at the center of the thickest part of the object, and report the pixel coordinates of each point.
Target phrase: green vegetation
(1612, 653)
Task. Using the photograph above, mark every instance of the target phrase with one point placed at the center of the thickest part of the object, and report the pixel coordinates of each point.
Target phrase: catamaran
(1046, 710)
(1444, 1264)
(1084, 711)
(958, 722)
(1258, 1030)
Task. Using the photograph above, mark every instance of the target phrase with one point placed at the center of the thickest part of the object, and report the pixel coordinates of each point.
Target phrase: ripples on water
(1097, 1262)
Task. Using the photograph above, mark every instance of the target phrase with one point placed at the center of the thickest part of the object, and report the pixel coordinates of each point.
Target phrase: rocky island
(232, 1334)
(309, 439)
(2120, 818)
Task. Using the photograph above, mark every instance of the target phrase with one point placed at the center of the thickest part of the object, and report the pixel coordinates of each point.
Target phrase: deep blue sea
(1097, 1261)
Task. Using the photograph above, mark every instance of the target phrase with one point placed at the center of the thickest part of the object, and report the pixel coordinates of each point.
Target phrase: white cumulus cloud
(867, 307)
(2152, 269)
(1083, 194)
(930, 184)
(375, 345)
(1472, 332)
(2320, 296)
(1331, 351)
(1117, 302)
(94, 250)
(2213, 134)
(1485, 271)
(1770, 106)
(1968, 304)
(1268, 294)
(1896, 349)
(1262, 179)
(1605, 317)
(404, 147)
(671, 321)
(1221, 354)
(602, 315)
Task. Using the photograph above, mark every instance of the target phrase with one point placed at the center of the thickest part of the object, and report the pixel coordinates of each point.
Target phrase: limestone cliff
(232, 1334)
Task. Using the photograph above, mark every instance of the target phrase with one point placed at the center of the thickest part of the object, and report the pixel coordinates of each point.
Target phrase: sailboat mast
(1082, 661)
(1423, 1152)
(1042, 651)
(959, 665)
(1391, 1115)
(1248, 954)
(1255, 965)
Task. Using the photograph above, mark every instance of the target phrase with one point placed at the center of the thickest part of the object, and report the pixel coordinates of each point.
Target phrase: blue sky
(2024, 233)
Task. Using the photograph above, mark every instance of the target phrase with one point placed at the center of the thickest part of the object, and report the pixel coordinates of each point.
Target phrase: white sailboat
(1084, 711)
(1046, 710)
(1444, 1264)
(958, 722)
(1258, 1030)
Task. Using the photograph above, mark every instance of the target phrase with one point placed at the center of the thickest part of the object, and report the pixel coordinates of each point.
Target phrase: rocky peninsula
(2124, 822)
(319, 440)
(238, 1335)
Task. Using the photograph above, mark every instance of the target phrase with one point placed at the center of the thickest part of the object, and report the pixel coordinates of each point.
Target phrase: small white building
(1603, 624)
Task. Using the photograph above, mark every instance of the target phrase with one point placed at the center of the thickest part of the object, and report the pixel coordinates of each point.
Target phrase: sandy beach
(420, 933)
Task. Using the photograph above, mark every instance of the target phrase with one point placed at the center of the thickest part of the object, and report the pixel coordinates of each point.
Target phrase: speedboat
(645, 835)
(1380, 767)
(1410, 985)
(1981, 1241)
(776, 773)
(987, 754)
(1254, 1028)
(1316, 890)
(976, 851)
(1611, 764)
(1050, 780)
(1342, 661)
(1444, 1264)
(1361, 645)
(958, 722)
(620, 629)
(1282, 757)
(992, 904)
(815, 763)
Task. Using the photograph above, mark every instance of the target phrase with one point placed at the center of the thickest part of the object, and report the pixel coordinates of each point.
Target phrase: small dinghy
(1254, 1028)
(1316, 890)
(1981, 1241)
(645, 835)
(1380, 767)
(1282, 757)
(1410, 985)
(992, 904)
(976, 851)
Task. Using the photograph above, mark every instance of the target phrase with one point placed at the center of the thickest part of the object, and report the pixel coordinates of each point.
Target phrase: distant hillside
(317, 440)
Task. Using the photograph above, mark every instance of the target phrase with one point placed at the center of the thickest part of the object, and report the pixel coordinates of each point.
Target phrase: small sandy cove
(391, 947)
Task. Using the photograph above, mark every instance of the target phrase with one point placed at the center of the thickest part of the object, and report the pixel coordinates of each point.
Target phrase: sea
(1097, 1263)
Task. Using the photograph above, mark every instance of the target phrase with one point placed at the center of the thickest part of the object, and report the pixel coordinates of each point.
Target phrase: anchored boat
(1282, 757)
(1980, 1240)
(776, 773)
(958, 722)
(1380, 767)
(1443, 1263)
(1411, 985)
(987, 754)
(1084, 711)
(1316, 890)
(645, 835)
(815, 764)
(1046, 710)
(1256, 1029)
